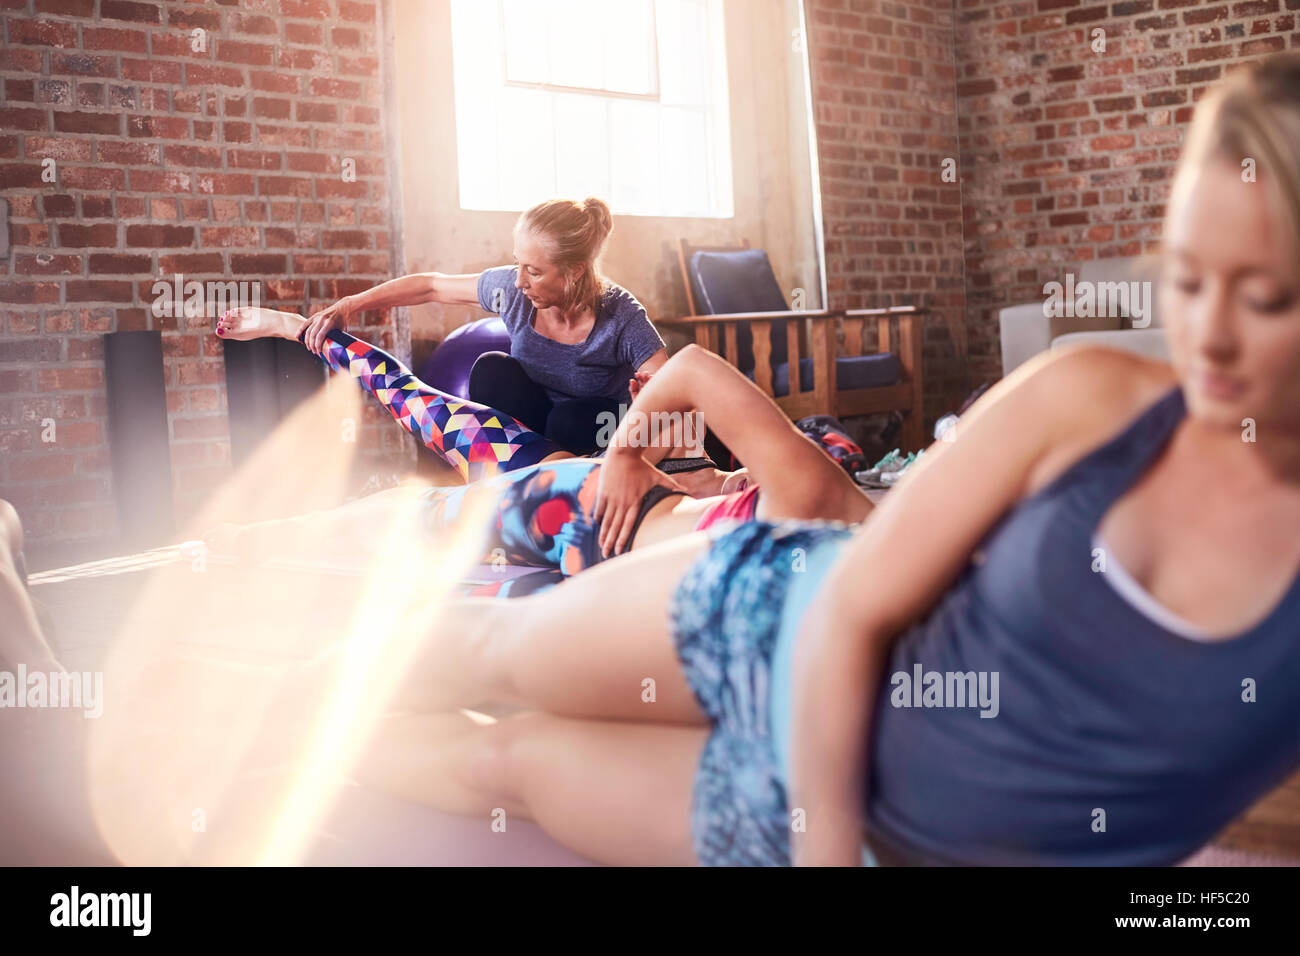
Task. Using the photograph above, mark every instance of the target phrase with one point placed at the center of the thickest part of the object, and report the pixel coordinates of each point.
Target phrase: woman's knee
(506, 758)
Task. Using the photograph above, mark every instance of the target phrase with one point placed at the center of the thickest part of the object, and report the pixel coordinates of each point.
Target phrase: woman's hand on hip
(625, 477)
(335, 316)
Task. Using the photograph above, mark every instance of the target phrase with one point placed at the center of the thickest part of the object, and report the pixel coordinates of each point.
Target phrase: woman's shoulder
(1086, 396)
(619, 303)
(497, 291)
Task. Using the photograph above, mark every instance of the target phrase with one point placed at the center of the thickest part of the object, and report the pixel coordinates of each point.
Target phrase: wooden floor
(87, 605)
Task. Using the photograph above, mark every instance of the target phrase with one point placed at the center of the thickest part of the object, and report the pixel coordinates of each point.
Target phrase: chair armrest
(750, 316)
(891, 310)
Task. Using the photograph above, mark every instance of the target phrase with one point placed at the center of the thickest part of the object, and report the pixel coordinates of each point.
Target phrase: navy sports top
(1100, 711)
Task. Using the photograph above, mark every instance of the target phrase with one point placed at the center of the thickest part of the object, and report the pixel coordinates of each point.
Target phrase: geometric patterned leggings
(475, 440)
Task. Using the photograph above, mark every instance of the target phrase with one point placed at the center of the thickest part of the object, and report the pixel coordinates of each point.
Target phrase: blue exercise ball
(447, 369)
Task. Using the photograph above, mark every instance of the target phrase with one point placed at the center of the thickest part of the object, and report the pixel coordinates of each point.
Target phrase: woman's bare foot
(247, 323)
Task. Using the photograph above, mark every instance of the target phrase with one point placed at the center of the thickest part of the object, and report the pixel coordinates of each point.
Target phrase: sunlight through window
(627, 101)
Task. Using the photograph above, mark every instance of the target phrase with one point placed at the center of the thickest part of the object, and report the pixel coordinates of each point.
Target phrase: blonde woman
(576, 341)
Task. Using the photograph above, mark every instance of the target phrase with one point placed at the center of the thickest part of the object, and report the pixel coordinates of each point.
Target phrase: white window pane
(581, 146)
(634, 129)
(520, 140)
(528, 146)
(576, 39)
(629, 53)
(684, 61)
(525, 29)
(685, 162)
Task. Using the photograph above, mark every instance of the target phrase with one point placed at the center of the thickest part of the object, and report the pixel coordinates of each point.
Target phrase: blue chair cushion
(858, 371)
(740, 281)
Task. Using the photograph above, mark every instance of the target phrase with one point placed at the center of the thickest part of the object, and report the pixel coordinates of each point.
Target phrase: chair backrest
(726, 279)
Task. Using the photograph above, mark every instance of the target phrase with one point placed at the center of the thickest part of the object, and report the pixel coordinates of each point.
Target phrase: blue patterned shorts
(724, 616)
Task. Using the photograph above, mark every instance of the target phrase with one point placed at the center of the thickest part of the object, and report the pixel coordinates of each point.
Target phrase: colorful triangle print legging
(475, 440)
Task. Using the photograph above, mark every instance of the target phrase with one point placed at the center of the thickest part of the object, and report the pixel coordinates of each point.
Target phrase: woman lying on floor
(755, 694)
(563, 516)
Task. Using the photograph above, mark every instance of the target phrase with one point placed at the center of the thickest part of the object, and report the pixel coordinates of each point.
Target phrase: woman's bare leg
(598, 645)
(349, 528)
(617, 792)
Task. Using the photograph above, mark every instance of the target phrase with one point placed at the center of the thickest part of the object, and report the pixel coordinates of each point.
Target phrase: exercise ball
(447, 369)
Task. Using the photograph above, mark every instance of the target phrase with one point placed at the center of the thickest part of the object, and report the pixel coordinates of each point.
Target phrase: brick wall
(1067, 154)
(885, 113)
(219, 160)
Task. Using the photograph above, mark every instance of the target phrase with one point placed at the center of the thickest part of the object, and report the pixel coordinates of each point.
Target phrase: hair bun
(598, 211)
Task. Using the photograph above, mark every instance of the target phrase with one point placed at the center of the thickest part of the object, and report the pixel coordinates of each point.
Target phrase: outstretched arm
(416, 289)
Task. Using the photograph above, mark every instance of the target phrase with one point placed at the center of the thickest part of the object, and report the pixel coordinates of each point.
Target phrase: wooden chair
(765, 343)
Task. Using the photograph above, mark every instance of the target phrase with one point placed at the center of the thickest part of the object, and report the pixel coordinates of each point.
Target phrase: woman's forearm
(415, 289)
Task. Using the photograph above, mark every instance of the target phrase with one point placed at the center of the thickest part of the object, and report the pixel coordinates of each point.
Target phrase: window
(626, 101)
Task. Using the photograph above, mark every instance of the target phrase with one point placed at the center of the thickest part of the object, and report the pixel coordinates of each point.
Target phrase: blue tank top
(1115, 742)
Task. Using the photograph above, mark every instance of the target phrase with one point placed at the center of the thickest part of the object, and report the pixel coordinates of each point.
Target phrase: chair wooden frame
(897, 330)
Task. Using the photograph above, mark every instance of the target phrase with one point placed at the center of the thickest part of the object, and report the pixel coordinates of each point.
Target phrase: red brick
(158, 127)
(129, 10)
(44, 264)
(188, 18)
(157, 237)
(118, 264)
(20, 91)
(130, 154)
(306, 9)
(258, 264)
(58, 206)
(284, 82)
(254, 24)
(345, 36)
(74, 236)
(204, 74)
(83, 64)
(229, 237)
(13, 119)
(305, 33)
(253, 159)
(151, 71)
(337, 89)
(45, 33)
(66, 8)
(95, 290)
(93, 177)
(253, 54)
(283, 186)
(29, 350)
(42, 466)
(98, 207)
(126, 41)
(192, 156)
(266, 107)
(196, 263)
(226, 184)
(1262, 45)
(159, 181)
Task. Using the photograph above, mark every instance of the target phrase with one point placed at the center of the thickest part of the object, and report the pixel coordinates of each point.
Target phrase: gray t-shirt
(620, 342)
